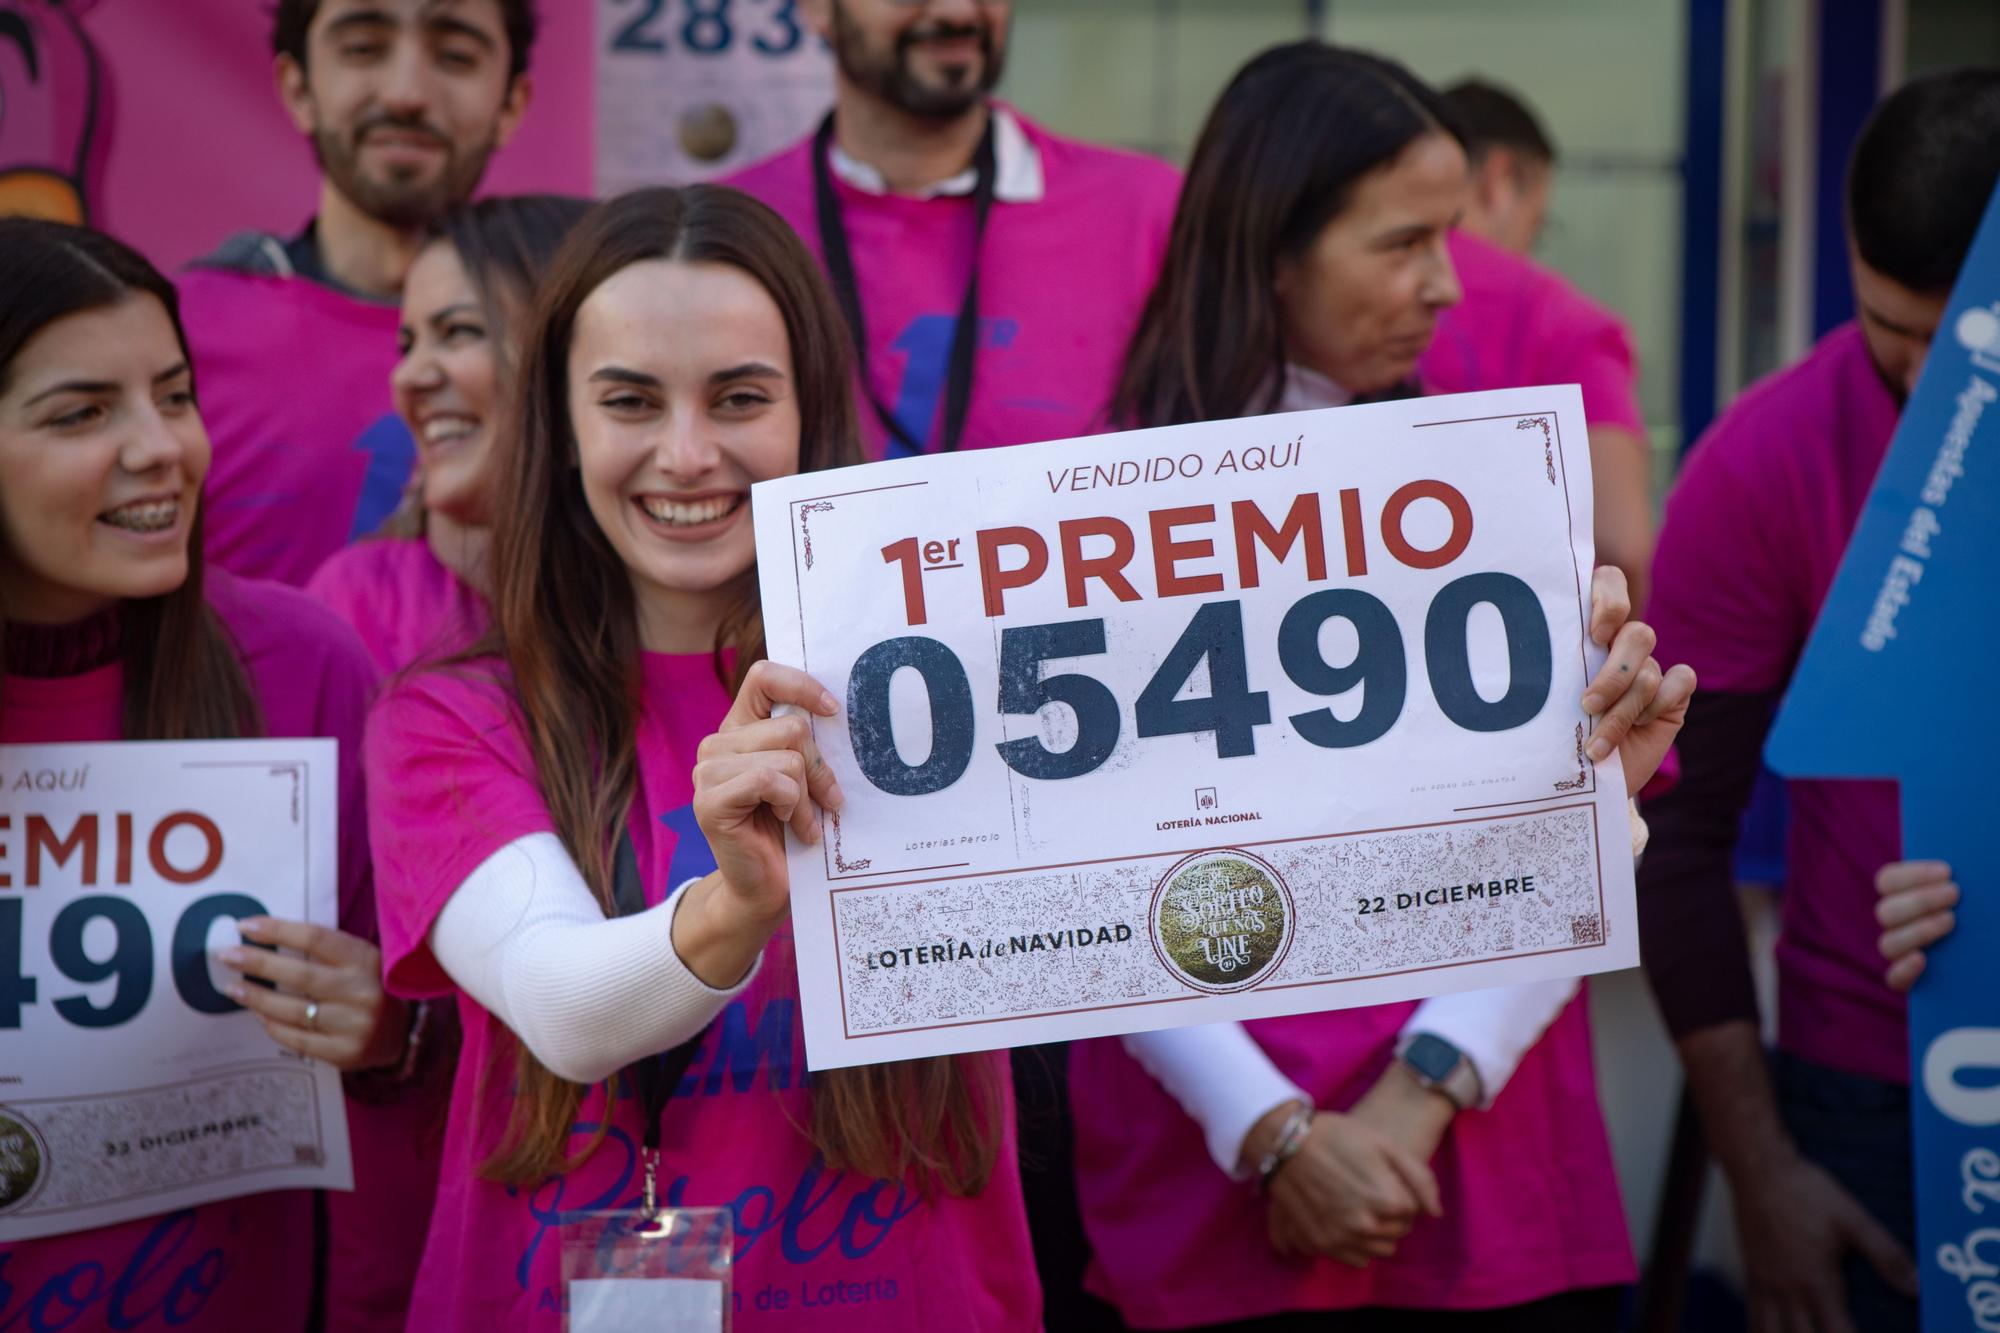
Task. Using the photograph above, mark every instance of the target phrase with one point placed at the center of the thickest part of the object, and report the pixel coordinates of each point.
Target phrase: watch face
(1433, 1057)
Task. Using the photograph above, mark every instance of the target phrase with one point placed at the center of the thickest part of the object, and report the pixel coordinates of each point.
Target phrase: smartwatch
(1441, 1067)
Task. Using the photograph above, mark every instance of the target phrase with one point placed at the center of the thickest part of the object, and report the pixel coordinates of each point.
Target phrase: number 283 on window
(706, 27)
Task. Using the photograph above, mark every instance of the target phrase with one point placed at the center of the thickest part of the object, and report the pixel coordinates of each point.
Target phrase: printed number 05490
(1231, 710)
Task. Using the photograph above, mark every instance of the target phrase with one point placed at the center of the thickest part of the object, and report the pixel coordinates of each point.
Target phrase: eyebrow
(749, 370)
(453, 311)
(360, 18)
(453, 26)
(437, 18)
(175, 371)
(620, 375)
(1407, 232)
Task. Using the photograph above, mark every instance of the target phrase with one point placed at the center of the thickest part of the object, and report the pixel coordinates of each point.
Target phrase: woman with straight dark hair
(1287, 283)
(580, 828)
(110, 630)
(418, 590)
(1442, 1162)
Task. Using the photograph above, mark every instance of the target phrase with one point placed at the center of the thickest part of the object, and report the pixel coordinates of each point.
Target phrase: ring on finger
(312, 1015)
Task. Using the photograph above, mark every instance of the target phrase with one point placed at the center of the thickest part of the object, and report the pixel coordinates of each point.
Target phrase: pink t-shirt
(1753, 533)
(247, 1262)
(453, 782)
(293, 380)
(1521, 324)
(1530, 1195)
(1061, 283)
(401, 600)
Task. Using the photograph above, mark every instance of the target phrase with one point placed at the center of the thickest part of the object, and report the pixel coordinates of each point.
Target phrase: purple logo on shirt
(926, 346)
(392, 455)
(158, 1283)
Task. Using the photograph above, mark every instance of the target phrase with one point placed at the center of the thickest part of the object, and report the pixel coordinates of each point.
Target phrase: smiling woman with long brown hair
(110, 629)
(580, 827)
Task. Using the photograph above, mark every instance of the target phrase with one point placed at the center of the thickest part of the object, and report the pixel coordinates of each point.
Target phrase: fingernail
(234, 992)
(233, 956)
(252, 925)
(836, 799)
(812, 833)
(1599, 748)
(826, 703)
(1593, 704)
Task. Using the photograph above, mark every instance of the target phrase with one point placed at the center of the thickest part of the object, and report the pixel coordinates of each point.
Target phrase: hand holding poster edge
(799, 522)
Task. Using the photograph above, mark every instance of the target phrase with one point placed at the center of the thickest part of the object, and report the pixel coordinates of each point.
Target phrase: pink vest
(1530, 1196)
(1753, 533)
(401, 600)
(816, 1249)
(1520, 325)
(293, 380)
(1061, 283)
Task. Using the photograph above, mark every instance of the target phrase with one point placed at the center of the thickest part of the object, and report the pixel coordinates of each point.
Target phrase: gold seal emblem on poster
(23, 1160)
(1222, 920)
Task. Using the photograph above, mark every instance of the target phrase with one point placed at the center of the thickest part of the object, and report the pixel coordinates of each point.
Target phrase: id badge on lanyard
(648, 1269)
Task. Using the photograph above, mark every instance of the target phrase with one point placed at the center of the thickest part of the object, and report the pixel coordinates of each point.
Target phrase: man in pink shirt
(992, 274)
(1522, 323)
(1817, 1144)
(293, 338)
(993, 271)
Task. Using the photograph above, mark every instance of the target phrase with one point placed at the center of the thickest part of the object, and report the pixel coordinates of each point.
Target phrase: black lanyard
(654, 1077)
(840, 268)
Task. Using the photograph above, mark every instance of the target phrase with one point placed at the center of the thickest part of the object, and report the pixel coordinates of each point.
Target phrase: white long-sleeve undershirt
(1226, 1083)
(588, 994)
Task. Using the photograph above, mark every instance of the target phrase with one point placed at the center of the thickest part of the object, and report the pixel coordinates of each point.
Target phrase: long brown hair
(566, 625)
(183, 677)
(504, 243)
(1278, 159)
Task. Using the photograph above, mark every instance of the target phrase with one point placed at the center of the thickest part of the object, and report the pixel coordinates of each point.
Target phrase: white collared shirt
(1306, 389)
(1017, 166)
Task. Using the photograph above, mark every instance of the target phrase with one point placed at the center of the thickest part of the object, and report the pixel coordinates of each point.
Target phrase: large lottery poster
(1210, 722)
(130, 1084)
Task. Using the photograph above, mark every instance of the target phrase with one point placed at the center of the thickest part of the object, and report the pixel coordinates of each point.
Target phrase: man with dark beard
(293, 337)
(991, 271)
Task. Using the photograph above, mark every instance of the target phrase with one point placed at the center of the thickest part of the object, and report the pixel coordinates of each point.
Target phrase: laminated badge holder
(655, 1268)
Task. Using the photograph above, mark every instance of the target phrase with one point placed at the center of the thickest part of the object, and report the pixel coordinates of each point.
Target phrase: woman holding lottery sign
(111, 629)
(1438, 1161)
(579, 830)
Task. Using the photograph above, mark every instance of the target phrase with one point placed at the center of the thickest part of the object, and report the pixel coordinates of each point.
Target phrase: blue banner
(1891, 685)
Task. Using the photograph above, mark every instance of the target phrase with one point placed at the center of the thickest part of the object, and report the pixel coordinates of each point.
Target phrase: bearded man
(992, 272)
(293, 337)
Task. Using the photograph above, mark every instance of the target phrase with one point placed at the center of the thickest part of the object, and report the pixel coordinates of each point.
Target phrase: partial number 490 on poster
(130, 1083)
